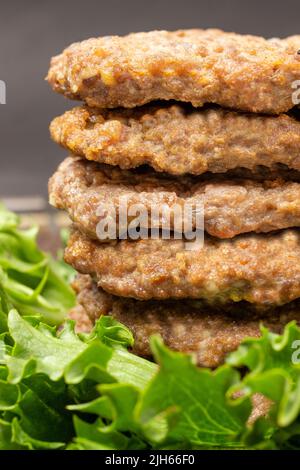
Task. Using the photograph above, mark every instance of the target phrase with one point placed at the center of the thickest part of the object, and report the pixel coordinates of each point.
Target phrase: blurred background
(32, 31)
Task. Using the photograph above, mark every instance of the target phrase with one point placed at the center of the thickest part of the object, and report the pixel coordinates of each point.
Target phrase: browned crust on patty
(179, 139)
(207, 333)
(231, 207)
(260, 269)
(83, 324)
(197, 66)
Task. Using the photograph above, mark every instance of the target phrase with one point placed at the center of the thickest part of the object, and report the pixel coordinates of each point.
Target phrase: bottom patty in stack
(185, 325)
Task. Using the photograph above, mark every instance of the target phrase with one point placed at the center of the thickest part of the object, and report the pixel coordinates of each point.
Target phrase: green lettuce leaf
(94, 394)
(33, 282)
(203, 415)
(273, 362)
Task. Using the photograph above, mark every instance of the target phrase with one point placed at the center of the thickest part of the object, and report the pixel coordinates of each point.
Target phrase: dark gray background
(32, 31)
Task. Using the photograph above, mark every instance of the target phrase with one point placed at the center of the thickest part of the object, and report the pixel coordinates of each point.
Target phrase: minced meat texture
(186, 326)
(197, 66)
(179, 139)
(260, 269)
(231, 207)
(83, 322)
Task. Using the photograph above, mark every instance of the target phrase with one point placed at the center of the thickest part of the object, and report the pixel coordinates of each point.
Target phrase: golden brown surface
(198, 66)
(263, 270)
(184, 325)
(83, 322)
(261, 407)
(231, 207)
(180, 139)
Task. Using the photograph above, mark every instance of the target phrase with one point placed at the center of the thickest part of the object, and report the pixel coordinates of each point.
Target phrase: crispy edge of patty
(198, 66)
(209, 334)
(260, 269)
(229, 207)
(179, 139)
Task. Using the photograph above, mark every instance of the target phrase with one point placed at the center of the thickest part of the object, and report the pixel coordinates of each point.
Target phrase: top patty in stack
(197, 66)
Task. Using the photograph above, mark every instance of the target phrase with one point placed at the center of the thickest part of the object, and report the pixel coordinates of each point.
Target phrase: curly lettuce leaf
(33, 282)
(273, 363)
(203, 415)
(100, 396)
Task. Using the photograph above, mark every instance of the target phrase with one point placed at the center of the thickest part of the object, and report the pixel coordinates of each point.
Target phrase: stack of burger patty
(198, 117)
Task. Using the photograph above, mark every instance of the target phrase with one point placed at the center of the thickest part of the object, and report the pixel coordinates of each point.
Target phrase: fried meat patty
(260, 269)
(179, 139)
(231, 207)
(197, 66)
(184, 325)
(80, 316)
